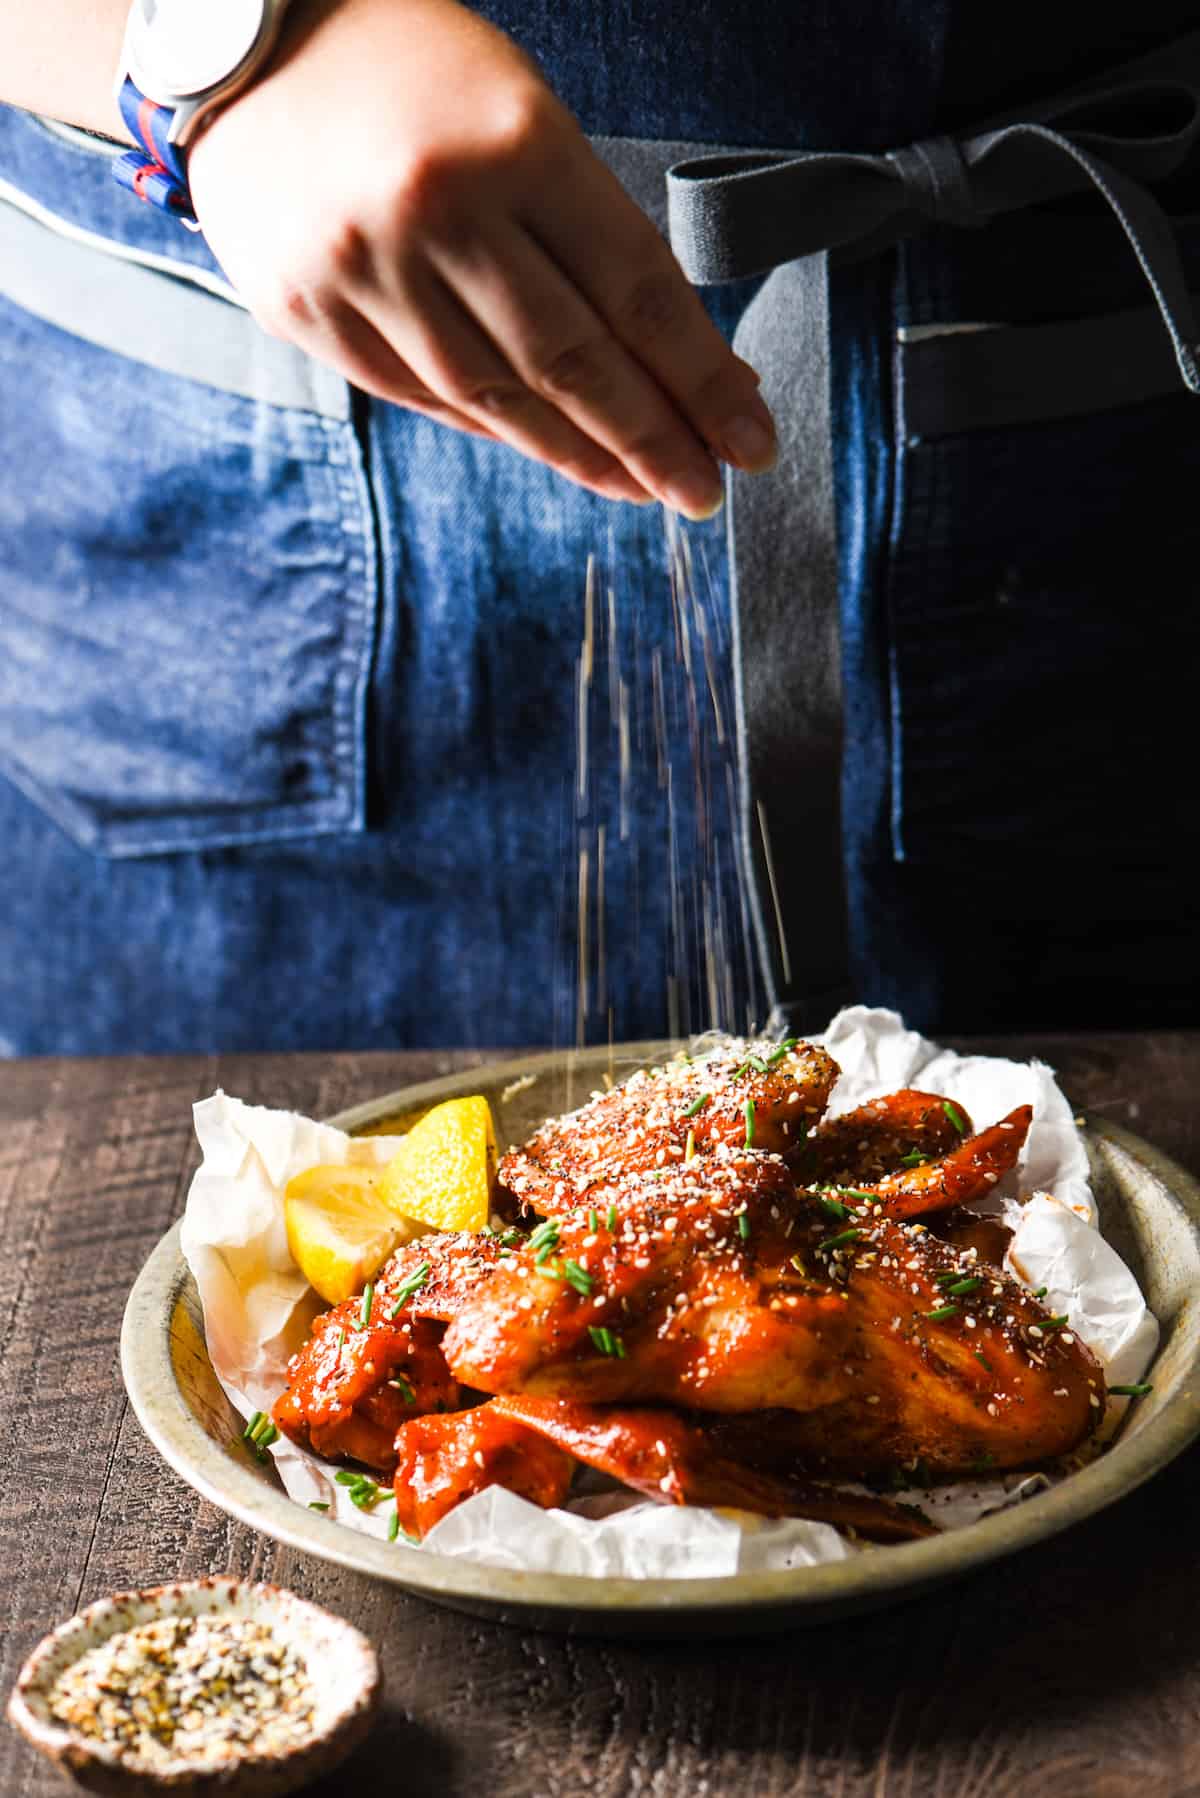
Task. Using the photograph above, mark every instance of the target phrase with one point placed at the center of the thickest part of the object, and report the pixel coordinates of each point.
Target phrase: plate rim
(869, 1580)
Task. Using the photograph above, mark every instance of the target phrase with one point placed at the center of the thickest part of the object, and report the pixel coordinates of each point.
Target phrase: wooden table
(1072, 1670)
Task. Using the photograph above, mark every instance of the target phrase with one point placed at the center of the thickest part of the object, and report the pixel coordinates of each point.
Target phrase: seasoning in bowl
(203, 1684)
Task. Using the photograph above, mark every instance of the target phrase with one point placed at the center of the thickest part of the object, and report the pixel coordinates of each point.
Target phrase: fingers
(574, 367)
(456, 360)
(622, 264)
(341, 335)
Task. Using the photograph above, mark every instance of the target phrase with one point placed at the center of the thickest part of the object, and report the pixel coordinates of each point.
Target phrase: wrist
(179, 65)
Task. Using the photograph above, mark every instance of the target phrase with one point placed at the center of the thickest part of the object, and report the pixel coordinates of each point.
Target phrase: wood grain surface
(1072, 1669)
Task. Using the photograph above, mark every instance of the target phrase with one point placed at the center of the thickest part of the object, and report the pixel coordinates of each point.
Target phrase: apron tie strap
(739, 214)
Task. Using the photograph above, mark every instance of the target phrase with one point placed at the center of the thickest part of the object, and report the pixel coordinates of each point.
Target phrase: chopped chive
(544, 1253)
(578, 1277)
(619, 1345)
(1134, 1391)
(606, 1340)
(744, 1226)
(945, 1277)
(834, 1207)
(689, 1150)
(318, 1504)
(955, 1115)
(364, 1316)
(346, 1476)
(1039, 1292)
(546, 1231)
(269, 1435)
(403, 1388)
(941, 1312)
(393, 1529)
(1051, 1323)
(852, 1192)
(749, 1123)
(408, 1289)
(797, 1261)
(698, 1105)
(914, 1158)
(960, 1286)
(777, 1055)
(983, 1360)
(341, 1339)
(612, 1217)
(261, 1427)
(593, 1222)
(834, 1242)
(248, 1432)
(512, 1239)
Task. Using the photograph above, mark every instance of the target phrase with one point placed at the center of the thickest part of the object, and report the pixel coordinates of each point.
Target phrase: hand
(402, 196)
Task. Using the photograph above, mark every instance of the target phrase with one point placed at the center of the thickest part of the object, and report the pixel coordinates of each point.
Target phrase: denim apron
(294, 684)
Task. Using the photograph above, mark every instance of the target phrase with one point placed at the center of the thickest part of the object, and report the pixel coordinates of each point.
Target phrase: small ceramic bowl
(344, 1672)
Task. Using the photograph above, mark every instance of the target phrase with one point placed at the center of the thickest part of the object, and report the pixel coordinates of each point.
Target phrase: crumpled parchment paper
(258, 1309)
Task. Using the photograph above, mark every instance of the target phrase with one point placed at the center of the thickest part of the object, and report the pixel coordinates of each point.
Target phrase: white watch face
(178, 48)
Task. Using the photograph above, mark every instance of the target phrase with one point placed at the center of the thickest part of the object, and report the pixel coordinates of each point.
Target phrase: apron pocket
(187, 604)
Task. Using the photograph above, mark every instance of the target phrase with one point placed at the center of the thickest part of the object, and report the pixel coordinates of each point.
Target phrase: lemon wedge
(444, 1169)
(340, 1228)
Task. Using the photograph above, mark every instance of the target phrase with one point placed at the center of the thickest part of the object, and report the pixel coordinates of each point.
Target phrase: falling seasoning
(206, 1690)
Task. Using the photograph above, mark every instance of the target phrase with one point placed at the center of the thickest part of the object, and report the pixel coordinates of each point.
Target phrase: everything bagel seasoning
(208, 1689)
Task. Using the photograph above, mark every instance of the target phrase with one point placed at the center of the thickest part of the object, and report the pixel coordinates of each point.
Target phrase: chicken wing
(746, 1094)
(353, 1384)
(673, 1461)
(730, 1296)
(367, 1369)
(442, 1460)
(658, 1298)
(881, 1137)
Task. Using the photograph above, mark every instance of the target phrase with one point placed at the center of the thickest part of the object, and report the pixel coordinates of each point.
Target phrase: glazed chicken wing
(746, 1094)
(353, 1384)
(367, 1369)
(442, 1460)
(658, 1299)
(882, 1136)
(672, 1461)
(736, 1297)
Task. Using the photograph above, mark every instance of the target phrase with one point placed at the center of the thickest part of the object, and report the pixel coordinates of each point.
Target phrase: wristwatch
(181, 59)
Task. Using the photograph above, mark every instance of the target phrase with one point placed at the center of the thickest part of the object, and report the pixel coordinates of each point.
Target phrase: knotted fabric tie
(732, 216)
(737, 214)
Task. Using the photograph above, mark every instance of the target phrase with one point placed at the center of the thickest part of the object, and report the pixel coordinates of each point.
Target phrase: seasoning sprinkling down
(207, 1690)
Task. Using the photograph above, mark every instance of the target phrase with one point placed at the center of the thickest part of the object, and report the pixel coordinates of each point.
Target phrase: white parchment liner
(258, 1308)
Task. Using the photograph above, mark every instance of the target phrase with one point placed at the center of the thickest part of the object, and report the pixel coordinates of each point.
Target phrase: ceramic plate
(1151, 1213)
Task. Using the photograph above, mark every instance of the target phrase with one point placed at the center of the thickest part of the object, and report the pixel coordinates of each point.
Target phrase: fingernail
(697, 495)
(750, 443)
